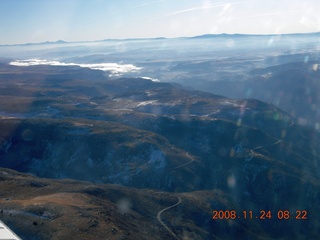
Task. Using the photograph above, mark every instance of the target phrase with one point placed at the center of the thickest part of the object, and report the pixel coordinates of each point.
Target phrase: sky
(31, 21)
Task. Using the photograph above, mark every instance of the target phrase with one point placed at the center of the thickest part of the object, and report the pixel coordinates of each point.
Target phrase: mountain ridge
(163, 143)
(203, 36)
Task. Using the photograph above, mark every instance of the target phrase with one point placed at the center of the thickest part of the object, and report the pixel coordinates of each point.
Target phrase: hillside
(165, 144)
(291, 86)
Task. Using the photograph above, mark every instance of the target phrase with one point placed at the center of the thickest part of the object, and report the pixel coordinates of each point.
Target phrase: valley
(87, 155)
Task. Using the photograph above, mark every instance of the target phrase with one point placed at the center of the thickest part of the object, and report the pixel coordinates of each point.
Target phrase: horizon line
(60, 41)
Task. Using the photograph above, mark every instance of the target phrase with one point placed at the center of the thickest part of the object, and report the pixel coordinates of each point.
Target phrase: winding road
(262, 146)
(184, 164)
(165, 209)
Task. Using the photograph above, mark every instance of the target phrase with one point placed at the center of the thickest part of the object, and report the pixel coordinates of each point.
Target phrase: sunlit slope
(38, 208)
(66, 209)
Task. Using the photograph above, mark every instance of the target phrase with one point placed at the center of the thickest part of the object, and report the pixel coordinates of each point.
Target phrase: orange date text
(262, 215)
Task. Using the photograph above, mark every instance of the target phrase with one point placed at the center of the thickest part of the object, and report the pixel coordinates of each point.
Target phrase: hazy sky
(24, 21)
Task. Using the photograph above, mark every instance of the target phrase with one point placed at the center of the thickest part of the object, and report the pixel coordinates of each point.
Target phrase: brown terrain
(136, 159)
(39, 208)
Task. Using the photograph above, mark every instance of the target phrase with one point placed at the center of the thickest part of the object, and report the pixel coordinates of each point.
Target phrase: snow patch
(157, 159)
(144, 103)
(114, 68)
(149, 78)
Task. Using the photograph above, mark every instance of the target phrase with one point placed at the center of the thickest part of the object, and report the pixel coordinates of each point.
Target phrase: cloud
(115, 69)
(206, 6)
(148, 3)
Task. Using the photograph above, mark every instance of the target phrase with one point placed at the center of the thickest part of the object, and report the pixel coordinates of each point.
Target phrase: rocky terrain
(291, 86)
(168, 146)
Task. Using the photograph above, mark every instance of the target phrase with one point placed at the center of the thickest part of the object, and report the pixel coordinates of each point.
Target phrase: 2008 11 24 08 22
(263, 214)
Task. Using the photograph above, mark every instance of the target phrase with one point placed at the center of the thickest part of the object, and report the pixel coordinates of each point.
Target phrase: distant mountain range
(235, 35)
(205, 36)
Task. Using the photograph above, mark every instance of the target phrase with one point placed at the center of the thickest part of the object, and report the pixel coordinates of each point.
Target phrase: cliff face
(95, 151)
